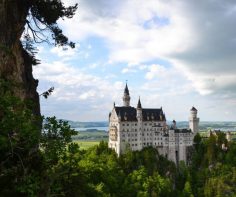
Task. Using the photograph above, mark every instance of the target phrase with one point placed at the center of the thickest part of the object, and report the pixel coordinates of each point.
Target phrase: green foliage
(212, 170)
(50, 164)
(19, 139)
(42, 20)
(187, 192)
(221, 182)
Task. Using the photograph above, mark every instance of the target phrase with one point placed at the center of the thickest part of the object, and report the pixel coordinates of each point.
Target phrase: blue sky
(174, 54)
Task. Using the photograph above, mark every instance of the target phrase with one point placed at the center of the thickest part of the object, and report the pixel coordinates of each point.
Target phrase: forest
(58, 167)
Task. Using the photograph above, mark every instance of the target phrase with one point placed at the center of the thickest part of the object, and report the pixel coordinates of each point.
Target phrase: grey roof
(182, 130)
(129, 114)
(126, 91)
(193, 109)
(139, 104)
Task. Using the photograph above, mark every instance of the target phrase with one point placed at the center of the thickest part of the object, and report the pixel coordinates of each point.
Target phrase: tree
(36, 22)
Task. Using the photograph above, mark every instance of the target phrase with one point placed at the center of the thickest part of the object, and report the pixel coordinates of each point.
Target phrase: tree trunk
(15, 62)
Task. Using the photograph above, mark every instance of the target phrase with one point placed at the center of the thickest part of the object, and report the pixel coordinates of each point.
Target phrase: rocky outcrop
(15, 62)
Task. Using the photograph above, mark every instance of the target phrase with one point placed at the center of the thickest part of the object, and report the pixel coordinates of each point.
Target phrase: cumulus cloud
(197, 37)
(76, 90)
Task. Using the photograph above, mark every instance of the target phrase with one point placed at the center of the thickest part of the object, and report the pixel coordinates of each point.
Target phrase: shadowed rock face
(15, 62)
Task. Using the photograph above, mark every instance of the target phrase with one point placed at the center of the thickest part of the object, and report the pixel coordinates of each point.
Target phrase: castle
(136, 128)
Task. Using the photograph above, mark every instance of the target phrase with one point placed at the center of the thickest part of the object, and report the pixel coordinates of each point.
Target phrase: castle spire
(126, 97)
(139, 111)
(139, 104)
(126, 91)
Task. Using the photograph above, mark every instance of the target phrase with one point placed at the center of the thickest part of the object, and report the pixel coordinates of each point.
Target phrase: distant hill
(203, 125)
(207, 125)
(76, 124)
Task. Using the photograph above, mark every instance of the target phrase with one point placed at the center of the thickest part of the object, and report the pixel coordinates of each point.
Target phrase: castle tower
(228, 136)
(139, 111)
(126, 97)
(193, 120)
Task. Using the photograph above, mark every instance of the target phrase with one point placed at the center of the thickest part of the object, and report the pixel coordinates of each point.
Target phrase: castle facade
(136, 127)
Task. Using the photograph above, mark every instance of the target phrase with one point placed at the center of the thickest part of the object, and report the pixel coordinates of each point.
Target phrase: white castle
(135, 128)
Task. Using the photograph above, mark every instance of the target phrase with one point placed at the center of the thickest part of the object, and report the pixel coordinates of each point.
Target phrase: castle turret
(139, 111)
(193, 120)
(126, 97)
(228, 136)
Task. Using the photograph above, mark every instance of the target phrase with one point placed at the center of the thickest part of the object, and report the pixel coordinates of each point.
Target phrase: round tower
(193, 120)
(126, 97)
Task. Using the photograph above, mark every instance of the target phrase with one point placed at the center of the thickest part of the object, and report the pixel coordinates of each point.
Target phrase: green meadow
(86, 144)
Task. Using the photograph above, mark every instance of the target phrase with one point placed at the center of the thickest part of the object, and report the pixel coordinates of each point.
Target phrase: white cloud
(76, 90)
(197, 36)
(128, 70)
(156, 71)
(65, 52)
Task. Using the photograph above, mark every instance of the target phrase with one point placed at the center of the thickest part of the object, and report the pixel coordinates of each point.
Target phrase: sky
(175, 54)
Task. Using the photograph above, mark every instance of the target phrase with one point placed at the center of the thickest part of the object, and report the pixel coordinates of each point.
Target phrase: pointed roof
(126, 91)
(130, 114)
(139, 104)
(193, 109)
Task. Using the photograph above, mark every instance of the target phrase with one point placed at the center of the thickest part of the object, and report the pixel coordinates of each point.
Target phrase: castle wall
(135, 135)
(129, 129)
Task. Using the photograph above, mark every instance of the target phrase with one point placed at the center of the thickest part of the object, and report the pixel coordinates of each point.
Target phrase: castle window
(127, 124)
(123, 124)
(147, 133)
(145, 124)
(135, 124)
